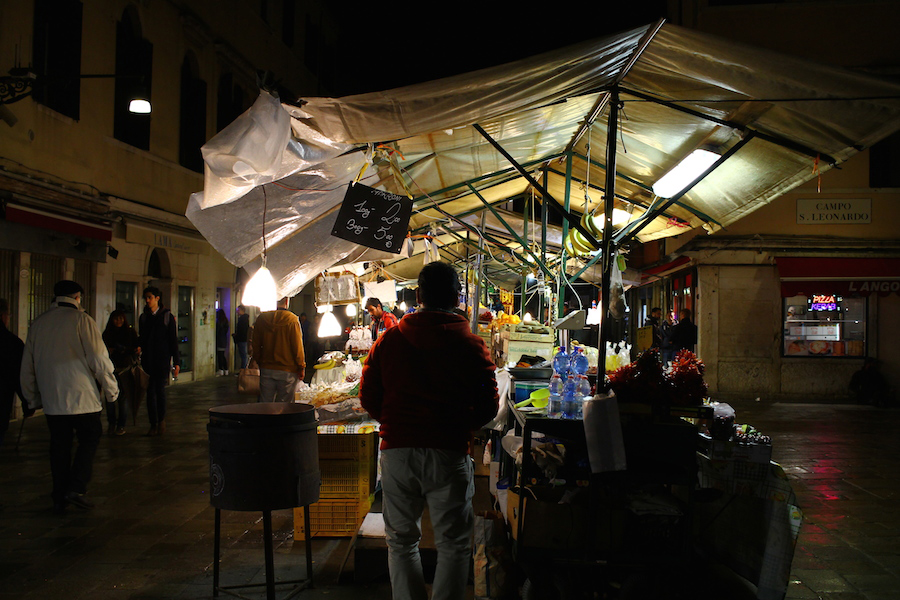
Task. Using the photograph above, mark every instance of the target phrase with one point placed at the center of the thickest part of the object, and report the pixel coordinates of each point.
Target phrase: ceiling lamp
(329, 326)
(685, 173)
(260, 290)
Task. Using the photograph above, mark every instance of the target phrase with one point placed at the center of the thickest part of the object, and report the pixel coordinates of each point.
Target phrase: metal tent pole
(608, 248)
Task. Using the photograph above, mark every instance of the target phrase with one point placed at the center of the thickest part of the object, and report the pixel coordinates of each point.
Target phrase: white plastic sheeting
(534, 108)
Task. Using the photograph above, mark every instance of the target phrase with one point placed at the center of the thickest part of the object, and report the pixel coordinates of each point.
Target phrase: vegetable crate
(343, 446)
(347, 479)
(332, 518)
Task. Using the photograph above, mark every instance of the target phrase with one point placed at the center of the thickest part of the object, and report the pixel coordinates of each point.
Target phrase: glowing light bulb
(329, 326)
(260, 291)
(351, 310)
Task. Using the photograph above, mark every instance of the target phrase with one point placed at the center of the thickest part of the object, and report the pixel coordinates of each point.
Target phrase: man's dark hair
(655, 309)
(439, 286)
(373, 301)
(67, 287)
(153, 290)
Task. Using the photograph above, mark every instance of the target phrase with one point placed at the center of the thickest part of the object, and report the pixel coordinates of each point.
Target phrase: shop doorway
(223, 303)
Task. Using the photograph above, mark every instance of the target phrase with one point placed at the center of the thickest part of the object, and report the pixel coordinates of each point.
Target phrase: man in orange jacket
(430, 382)
(277, 347)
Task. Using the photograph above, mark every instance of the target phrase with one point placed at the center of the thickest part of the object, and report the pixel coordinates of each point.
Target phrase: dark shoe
(59, 508)
(79, 500)
(111, 430)
(120, 431)
(161, 428)
(154, 430)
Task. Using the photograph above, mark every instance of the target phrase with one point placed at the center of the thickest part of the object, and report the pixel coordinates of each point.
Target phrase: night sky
(395, 45)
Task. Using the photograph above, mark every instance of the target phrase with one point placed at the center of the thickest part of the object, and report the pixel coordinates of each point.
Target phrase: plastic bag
(617, 306)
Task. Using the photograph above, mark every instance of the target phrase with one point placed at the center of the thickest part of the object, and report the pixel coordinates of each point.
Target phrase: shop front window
(824, 325)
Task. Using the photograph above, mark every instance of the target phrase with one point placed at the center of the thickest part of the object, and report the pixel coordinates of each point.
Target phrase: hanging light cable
(261, 290)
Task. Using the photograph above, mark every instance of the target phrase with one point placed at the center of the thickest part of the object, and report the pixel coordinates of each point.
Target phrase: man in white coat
(65, 359)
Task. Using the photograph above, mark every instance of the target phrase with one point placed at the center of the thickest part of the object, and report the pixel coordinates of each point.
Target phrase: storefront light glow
(685, 173)
(329, 326)
(260, 291)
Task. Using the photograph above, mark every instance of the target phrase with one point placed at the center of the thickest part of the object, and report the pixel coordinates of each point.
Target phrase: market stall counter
(674, 497)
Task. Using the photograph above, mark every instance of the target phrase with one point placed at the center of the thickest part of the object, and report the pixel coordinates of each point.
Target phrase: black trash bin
(263, 456)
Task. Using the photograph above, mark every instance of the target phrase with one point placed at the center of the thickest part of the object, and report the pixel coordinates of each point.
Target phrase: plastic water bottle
(582, 391)
(568, 398)
(579, 361)
(561, 362)
(554, 407)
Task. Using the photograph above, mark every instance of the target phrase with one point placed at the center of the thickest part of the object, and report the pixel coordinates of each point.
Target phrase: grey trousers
(277, 386)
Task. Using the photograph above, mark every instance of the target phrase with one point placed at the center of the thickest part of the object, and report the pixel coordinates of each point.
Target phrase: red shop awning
(661, 270)
(844, 276)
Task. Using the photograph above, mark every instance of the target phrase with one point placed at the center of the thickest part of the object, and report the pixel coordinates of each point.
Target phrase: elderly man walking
(430, 382)
(64, 360)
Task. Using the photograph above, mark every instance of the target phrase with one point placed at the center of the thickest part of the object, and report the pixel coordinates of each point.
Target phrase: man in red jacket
(429, 382)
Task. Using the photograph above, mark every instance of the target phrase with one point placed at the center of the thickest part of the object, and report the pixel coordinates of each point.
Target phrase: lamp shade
(139, 106)
(260, 291)
(329, 326)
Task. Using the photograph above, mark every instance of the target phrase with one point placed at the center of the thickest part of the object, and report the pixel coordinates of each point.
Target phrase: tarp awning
(783, 118)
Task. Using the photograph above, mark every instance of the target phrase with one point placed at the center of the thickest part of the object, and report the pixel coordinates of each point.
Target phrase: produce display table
(743, 513)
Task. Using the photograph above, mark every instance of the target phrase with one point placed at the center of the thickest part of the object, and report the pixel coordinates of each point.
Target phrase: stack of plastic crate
(347, 464)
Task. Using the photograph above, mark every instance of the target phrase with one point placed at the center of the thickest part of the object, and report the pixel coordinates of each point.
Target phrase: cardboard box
(511, 351)
(508, 332)
(550, 525)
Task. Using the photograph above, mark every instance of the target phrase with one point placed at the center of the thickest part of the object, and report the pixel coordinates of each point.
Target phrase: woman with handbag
(122, 343)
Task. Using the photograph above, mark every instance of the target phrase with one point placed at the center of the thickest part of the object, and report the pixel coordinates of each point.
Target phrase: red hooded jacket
(429, 382)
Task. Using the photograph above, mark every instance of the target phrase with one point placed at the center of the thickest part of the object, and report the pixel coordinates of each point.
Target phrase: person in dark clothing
(684, 334)
(666, 352)
(221, 342)
(159, 351)
(869, 386)
(11, 349)
(241, 334)
(653, 321)
(122, 343)
(430, 382)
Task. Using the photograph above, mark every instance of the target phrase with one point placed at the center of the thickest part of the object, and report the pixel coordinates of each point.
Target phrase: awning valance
(844, 276)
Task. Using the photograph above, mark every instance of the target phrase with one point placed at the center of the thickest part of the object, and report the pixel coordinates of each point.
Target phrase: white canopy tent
(283, 168)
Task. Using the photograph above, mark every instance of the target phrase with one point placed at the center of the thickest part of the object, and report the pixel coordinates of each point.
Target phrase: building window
(824, 325)
(288, 22)
(884, 163)
(44, 273)
(192, 129)
(84, 274)
(56, 52)
(9, 285)
(231, 101)
(134, 64)
(127, 300)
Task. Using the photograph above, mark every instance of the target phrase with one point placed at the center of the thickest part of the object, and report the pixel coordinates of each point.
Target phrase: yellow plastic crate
(347, 479)
(347, 446)
(332, 518)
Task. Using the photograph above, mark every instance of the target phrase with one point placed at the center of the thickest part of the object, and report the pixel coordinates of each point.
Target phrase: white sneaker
(226, 371)
(218, 373)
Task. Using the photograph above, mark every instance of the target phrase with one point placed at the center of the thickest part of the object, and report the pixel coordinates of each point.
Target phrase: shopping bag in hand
(248, 379)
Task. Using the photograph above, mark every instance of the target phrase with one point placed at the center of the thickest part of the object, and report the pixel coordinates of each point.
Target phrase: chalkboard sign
(373, 218)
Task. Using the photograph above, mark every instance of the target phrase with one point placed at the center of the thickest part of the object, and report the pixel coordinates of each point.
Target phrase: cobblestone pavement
(150, 534)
